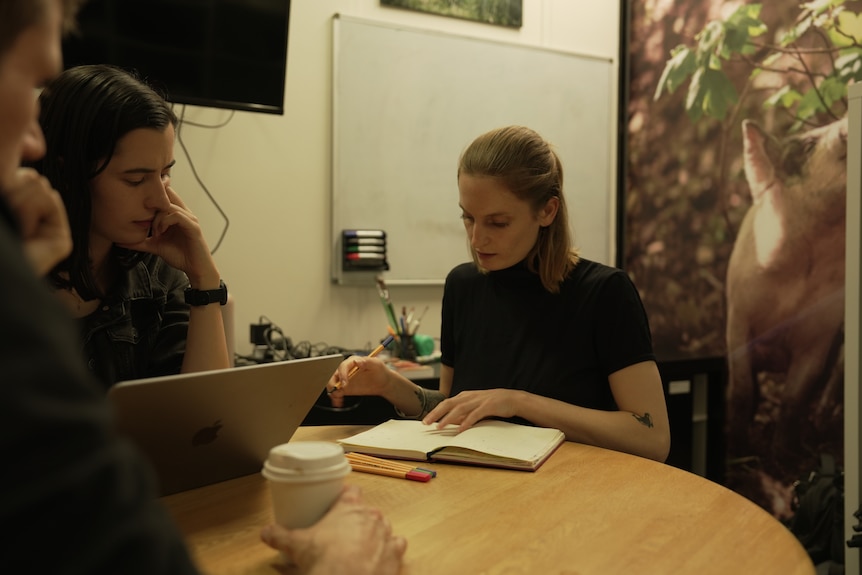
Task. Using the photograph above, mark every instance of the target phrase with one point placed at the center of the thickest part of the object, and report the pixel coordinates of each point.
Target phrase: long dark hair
(84, 113)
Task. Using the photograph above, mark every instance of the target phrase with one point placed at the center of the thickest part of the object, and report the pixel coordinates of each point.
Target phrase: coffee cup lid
(306, 461)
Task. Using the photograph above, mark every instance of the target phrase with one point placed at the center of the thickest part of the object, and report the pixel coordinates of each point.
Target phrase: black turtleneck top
(503, 329)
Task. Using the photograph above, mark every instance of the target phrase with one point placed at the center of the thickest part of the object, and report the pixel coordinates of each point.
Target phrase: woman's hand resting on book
(469, 407)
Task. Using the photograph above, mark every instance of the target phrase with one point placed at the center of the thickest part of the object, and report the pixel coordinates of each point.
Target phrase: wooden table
(585, 511)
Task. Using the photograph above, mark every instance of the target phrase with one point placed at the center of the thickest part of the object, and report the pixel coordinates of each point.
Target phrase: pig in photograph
(785, 302)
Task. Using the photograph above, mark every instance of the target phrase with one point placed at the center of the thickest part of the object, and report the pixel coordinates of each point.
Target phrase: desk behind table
(364, 410)
(586, 510)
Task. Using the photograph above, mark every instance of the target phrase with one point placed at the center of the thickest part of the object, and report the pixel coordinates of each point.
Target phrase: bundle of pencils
(377, 466)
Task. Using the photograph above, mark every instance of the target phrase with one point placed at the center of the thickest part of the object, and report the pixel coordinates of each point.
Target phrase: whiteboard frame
(596, 226)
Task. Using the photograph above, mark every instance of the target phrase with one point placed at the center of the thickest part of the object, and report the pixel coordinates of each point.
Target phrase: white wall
(270, 174)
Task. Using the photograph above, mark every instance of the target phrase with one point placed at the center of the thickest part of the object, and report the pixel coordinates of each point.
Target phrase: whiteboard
(405, 104)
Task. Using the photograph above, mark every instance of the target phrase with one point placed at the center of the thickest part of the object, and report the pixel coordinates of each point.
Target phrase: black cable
(282, 348)
(210, 126)
(198, 178)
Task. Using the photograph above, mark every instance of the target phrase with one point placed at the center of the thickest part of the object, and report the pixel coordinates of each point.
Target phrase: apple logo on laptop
(207, 434)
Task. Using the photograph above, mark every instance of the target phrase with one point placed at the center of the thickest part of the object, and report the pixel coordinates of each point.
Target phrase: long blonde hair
(528, 167)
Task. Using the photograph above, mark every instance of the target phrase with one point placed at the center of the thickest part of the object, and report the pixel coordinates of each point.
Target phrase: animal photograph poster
(732, 198)
(499, 12)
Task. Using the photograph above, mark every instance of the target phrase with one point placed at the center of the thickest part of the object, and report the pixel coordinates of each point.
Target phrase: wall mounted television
(216, 53)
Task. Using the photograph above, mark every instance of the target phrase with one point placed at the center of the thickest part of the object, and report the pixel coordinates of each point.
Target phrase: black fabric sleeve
(623, 336)
(74, 496)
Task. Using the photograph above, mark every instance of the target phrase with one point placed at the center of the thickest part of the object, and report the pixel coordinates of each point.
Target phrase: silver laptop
(202, 428)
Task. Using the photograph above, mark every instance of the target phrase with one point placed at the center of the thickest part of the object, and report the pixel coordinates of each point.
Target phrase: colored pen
(365, 249)
(424, 311)
(366, 242)
(370, 464)
(413, 474)
(383, 292)
(363, 234)
(390, 317)
(374, 352)
(391, 313)
(364, 256)
(414, 325)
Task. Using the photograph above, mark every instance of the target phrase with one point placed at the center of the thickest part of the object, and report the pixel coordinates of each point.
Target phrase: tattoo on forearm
(428, 400)
(646, 419)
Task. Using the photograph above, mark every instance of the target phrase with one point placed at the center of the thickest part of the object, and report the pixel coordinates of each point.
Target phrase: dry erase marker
(366, 249)
(364, 233)
(364, 256)
(366, 242)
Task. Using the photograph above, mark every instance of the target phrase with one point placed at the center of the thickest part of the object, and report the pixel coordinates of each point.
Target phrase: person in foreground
(348, 539)
(76, 497)
(137, 247)
(530, 331)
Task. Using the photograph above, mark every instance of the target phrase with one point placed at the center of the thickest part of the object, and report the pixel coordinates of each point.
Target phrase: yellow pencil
(361, 458)
(375, 466)
(369, 460)
(374, 352)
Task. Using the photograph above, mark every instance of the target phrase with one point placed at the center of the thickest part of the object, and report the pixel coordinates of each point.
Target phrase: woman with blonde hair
(531, 332)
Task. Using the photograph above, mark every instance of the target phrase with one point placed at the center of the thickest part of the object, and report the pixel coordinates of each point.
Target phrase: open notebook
(202, 428)
(490, 442)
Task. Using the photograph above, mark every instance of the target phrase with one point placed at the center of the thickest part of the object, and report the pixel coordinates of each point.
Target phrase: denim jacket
(141, 327)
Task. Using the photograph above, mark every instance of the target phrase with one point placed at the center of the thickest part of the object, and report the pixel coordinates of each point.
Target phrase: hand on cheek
(41, 216)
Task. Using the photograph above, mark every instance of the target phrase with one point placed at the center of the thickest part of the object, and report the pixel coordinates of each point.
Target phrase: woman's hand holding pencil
(338, 383)
(388, 468)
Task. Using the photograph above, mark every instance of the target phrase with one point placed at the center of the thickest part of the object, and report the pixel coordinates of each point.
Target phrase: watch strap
(198, 297)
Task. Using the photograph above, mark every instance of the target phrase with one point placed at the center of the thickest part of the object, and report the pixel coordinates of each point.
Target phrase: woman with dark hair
(531, 331)
(140, 277)
(81, 500)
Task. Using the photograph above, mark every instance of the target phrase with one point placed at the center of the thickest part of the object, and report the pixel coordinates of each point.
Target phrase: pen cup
(406, 348)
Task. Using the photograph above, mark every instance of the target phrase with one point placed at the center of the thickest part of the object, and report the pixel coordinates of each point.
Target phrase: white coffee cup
(305, 478)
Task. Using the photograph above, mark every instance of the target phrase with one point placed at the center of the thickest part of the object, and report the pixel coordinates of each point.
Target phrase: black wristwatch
(207, 296)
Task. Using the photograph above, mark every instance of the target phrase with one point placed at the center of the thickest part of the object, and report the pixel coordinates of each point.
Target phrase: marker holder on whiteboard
(362, 256)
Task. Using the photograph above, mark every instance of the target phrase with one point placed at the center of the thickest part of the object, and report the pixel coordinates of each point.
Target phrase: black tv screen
(217, 53)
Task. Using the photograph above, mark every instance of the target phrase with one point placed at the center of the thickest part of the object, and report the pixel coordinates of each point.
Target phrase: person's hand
(351, 538)
(41, 216)
(370, 378)
(469, 407)
(177, 238)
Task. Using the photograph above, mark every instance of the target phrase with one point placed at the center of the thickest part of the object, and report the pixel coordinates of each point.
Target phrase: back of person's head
(19, 15)
(528, 167)
(85, 112)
